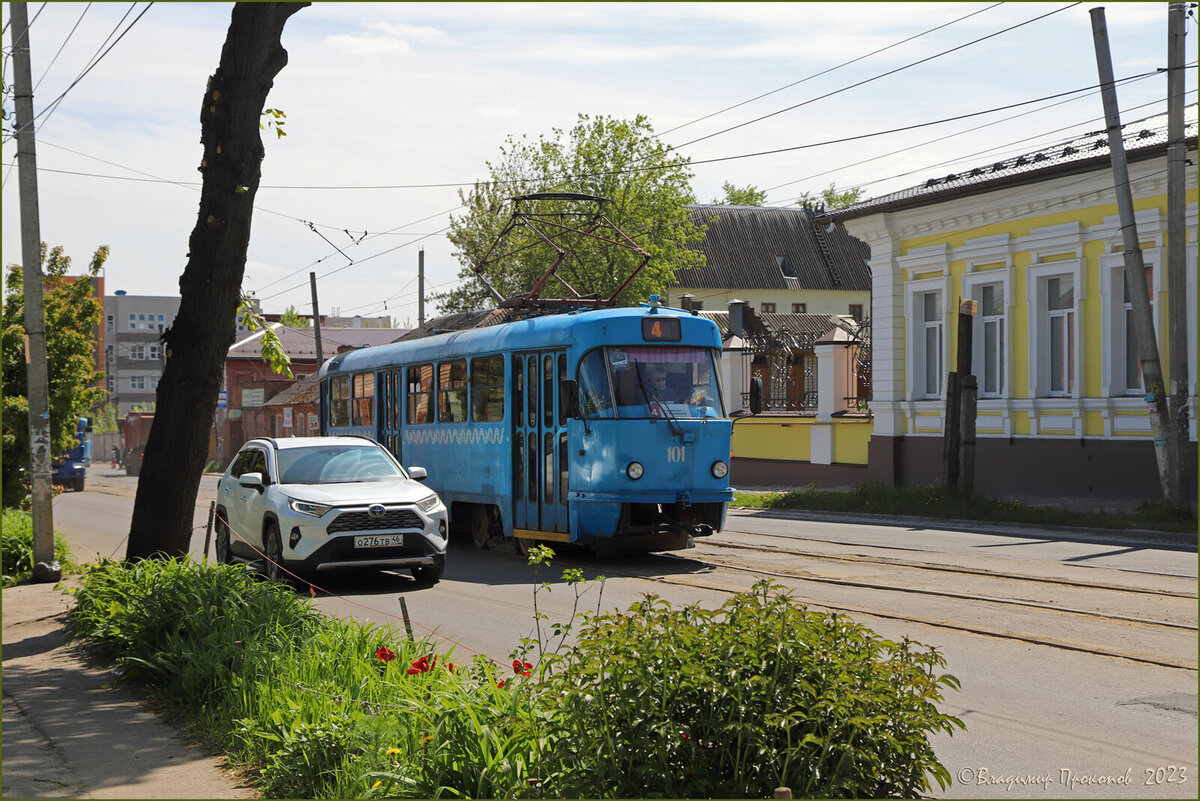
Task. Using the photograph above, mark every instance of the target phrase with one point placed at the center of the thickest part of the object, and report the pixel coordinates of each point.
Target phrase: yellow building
(1036, 241)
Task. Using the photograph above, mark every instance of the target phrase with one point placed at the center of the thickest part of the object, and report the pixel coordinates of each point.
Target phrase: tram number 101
(677, 453)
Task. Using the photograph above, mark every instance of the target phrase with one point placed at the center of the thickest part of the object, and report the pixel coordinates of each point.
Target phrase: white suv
(314, 503)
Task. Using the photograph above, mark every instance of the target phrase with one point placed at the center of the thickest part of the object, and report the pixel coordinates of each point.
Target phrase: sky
(393, 108)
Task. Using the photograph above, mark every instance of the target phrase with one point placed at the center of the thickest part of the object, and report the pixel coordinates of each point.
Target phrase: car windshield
(335, 464)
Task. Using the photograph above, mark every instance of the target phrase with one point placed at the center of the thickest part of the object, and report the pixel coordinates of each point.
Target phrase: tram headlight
(720, 469)
(635, 470)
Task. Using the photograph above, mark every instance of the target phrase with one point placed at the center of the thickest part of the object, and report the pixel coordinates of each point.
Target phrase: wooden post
(783, 792)
(969, 393)
(407, 622)
(212, 508)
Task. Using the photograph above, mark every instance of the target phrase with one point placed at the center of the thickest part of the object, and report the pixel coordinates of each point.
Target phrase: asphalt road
(1048, 716)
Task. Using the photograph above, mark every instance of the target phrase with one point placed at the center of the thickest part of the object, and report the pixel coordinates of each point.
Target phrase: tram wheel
(481, 524)
(524, 546)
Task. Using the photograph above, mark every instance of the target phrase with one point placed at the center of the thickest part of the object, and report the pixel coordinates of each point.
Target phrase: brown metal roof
(744, 243)
(300, 344)
(303, 391)
(803, 329)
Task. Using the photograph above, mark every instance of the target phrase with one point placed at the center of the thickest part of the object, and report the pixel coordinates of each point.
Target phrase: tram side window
(452, 391)
(594, 394)
(364, 399)
(419, 392)
(339, 400)
(487, 389)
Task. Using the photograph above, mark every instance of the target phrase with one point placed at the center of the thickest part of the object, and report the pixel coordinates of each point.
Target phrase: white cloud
(417, 34)
(369, 45)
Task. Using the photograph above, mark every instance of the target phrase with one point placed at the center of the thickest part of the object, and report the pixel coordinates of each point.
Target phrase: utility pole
(45, 567)
(312, 283)
(1177, 252)
(1135, 272)
(421, 288)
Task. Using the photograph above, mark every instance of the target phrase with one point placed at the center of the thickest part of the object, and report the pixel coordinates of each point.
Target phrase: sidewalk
(66, 735)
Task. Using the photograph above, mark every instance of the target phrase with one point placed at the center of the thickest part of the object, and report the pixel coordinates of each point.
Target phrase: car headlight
(428, 502)
(308, 508)
(720, 469)
(635, 470)
(78, 466)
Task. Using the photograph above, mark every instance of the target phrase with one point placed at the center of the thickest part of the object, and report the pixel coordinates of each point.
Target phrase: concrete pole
(1177, 251)
(312, 283)
(1135, 271)
(45, 567)
(421, 288)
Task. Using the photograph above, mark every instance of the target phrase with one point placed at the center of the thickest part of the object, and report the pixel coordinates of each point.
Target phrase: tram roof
(553, 330)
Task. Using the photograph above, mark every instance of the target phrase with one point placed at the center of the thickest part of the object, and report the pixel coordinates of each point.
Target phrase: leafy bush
(652, 701)
(16, 547)
(731, 703)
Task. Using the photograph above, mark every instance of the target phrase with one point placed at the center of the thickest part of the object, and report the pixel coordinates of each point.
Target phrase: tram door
(387, 416)
(540, 451)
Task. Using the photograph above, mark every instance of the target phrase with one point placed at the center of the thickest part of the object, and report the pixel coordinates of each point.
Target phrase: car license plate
(379, 541)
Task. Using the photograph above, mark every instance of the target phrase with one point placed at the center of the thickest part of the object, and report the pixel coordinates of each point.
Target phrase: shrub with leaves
(734, 702)
(16, 547)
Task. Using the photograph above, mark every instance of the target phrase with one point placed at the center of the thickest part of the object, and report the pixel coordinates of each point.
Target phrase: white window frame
(1040, 315)
(799, 308)
(916, 353)
(137, 383)
(154, 352)
(132, 321)
(972, 287)
(137, 351)
(110, 323)
(1114, 311)
(153, 382)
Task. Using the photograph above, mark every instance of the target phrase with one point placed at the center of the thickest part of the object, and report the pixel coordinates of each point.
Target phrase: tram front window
(684, 380)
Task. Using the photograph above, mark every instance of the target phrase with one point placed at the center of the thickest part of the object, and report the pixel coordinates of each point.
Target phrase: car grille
(361, 521)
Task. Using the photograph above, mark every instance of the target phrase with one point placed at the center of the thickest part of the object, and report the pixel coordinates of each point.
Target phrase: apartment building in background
(133, 356)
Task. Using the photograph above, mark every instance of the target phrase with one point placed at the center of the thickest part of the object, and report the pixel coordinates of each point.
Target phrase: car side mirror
(569, 396)
(756, 392)
(417, 473)
(254, 480)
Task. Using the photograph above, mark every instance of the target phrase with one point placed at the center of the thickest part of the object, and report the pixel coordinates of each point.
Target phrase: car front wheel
(224, 554)
(273, 549)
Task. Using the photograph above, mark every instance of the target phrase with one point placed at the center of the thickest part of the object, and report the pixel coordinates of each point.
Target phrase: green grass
(16, 547)
(654, 702)
(933, 501)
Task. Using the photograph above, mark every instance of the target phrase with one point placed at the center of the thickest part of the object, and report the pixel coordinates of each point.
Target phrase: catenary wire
(829, 70)
(62, 46)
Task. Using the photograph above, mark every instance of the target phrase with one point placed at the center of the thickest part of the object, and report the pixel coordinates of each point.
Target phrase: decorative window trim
(972, 287)
(1039, 327)
(1112, 317)
(914, 292)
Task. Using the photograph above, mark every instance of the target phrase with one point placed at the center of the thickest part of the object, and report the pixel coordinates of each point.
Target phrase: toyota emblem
(376, 510)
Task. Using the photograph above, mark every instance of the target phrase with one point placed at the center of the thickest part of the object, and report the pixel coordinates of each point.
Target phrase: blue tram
(603, 427)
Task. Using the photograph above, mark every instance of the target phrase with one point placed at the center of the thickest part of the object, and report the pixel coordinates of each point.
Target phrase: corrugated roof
(464, 321)
(804, 329)
(1142, 139)
(303, 391)
(301, 344)
(743, 244)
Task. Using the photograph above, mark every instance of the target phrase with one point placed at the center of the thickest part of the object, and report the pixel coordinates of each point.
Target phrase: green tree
(293, 319)
(831, 198)
(749, 196)
(75, 385)
(648, 185)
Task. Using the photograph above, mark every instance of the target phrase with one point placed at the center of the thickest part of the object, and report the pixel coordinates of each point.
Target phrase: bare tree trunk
(200, 336)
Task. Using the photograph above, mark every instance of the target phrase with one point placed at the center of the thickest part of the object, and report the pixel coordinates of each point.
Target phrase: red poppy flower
(451, 666)
(500, 684)
(522, 668)
(384, 654)
(419, 666)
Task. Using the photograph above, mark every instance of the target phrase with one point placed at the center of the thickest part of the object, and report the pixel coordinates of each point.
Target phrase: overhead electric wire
(827, 71)
(874, 78)
(99, 56)
(62, 46)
